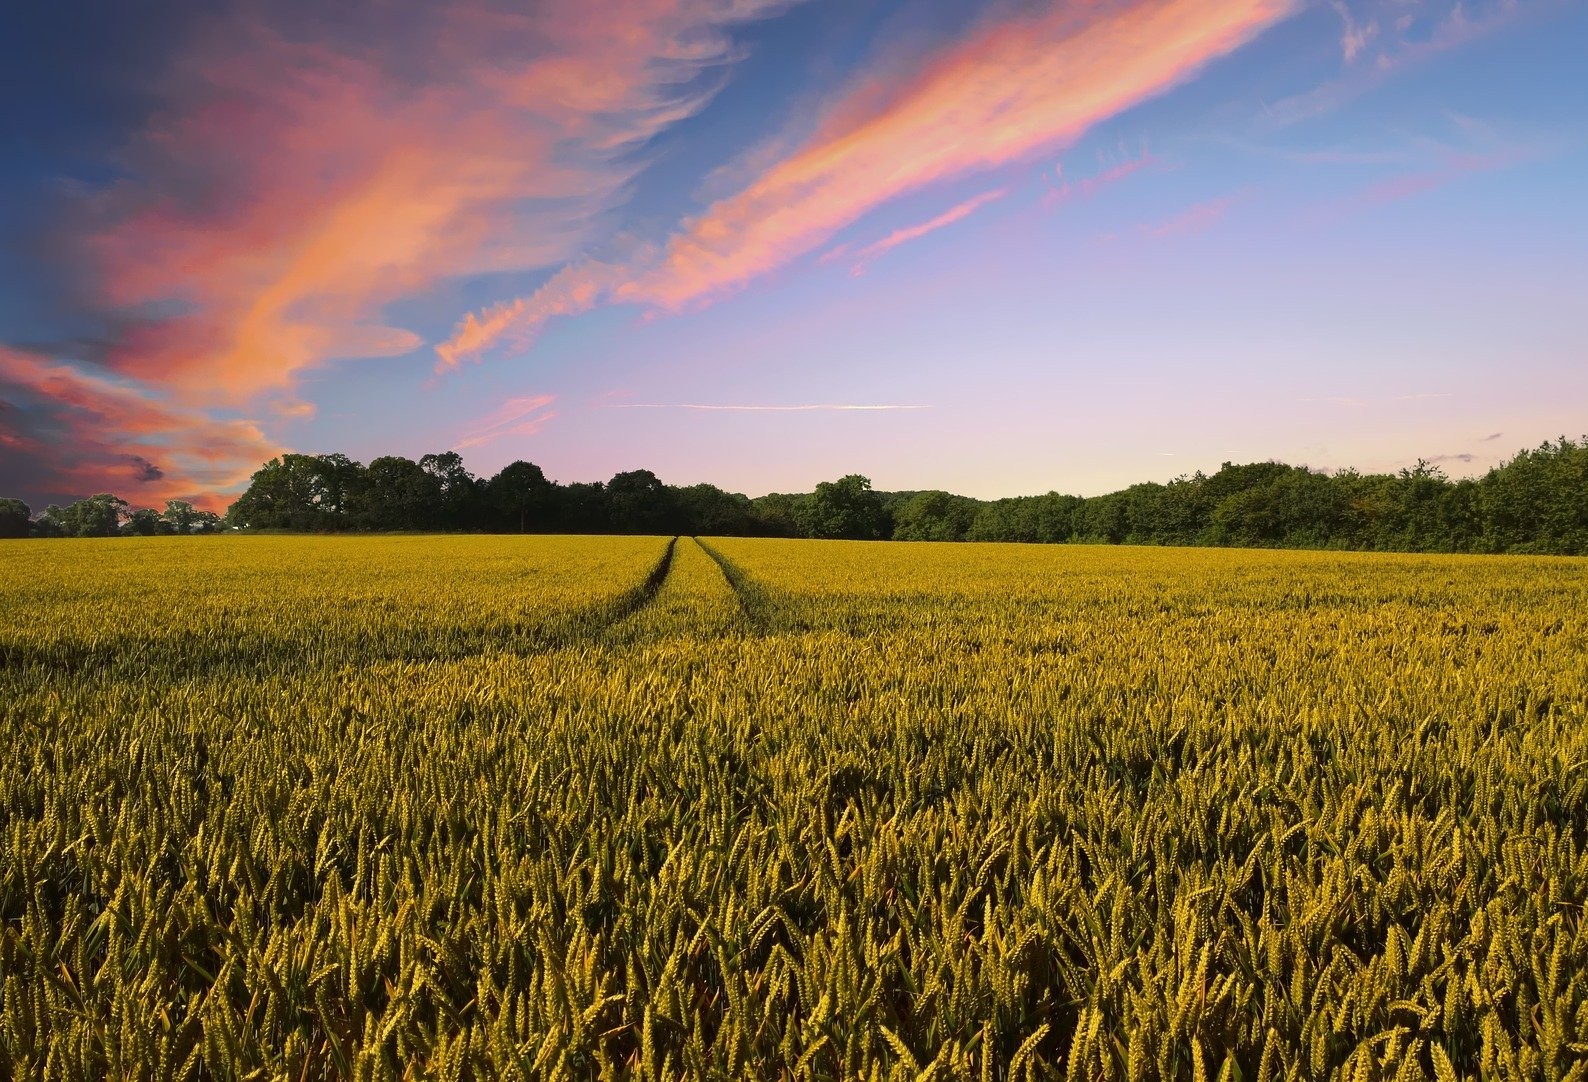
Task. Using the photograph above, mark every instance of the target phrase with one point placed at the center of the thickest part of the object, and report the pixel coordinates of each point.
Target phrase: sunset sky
(998, 247)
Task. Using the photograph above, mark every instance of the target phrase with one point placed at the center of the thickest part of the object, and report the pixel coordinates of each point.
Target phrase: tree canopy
(1537, 502)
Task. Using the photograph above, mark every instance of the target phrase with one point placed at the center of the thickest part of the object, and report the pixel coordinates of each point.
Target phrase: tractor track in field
(753, 602)
(117, 660)
(643, 594)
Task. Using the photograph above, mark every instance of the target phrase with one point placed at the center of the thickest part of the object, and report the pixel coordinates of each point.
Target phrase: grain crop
(640, 808)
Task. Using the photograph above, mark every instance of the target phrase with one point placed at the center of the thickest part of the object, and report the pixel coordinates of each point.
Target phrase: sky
(1000, 247)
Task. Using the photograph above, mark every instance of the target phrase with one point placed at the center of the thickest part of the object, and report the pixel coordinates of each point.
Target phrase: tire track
(200, 657)
(754, 602)
(643, 594)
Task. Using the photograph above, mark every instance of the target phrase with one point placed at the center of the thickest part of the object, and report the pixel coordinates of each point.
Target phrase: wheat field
(652, 808)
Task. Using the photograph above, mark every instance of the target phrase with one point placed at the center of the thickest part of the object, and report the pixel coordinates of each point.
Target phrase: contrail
(771, 409)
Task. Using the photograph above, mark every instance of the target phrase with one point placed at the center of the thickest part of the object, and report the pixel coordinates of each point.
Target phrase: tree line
(1537, 502)
(105, 515)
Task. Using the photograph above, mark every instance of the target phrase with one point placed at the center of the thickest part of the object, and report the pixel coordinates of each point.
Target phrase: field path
(645, 593)
(685, 597)
(754, 603)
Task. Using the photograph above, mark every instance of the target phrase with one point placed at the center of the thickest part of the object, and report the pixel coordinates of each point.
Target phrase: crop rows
(605, 808)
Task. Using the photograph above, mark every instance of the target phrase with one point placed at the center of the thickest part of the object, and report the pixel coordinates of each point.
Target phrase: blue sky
(998, 248)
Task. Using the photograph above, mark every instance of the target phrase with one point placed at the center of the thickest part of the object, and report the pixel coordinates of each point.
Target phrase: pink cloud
(522, 416)
(293, 188)
(916, 232)
(576, 288)
(1451, 168)
(1090, 186)
(1193, 219)
(293, 185)
(84, 433)
(1356, 35)
(1016, 87)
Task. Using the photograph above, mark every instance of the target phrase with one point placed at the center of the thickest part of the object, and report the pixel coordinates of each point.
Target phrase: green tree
(145, 522)
(638, 502)
(707, 510)
(521, 497)
(97, 516)
(779, 514)
(297, 492)
(50, 523)
(1537, 501)
(582, 508)
(458, 503)
(1297, 507)
(398, 494)
(180, 515)
(15, 518)
(935, 516)
(846, 508)
(1103, 519)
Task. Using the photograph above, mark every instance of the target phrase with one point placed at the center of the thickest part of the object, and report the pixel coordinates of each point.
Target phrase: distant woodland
(1537, 502)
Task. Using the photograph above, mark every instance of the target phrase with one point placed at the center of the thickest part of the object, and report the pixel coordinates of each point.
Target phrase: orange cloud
(296, 188)
(916, 232)
(80, 433)
(576, 288)
(296, 182)
(1014, 88)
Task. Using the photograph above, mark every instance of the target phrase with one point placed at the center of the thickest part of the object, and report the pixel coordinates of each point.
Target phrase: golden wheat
(558, 808)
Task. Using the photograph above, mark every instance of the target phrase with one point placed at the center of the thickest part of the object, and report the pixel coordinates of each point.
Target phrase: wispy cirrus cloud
(521, 416)
(905, 235)
(1087, 187)
(1437, 162)
(1194, 219)
(1016, 86)
(1456, 148)
(501, 153)
(1357, 35)
(1450, 168)
(302, 174)
(574, 289)
(1381, 37)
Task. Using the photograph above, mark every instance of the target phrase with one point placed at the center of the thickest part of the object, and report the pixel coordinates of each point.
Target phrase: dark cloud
(1491, 438)
(1466, 456)
(143, 471)
(68, 432)
(87, 73)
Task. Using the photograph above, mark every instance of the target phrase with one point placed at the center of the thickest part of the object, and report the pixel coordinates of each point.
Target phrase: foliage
(14, 518)
(1535, 503)
(934, 516)
(562, 808)
(182, 517)
(845, 509)
(97, 516)
(143, 522)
